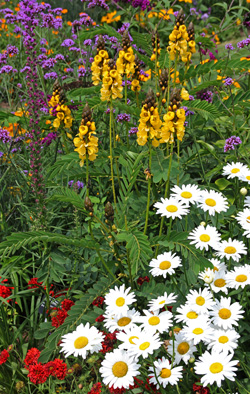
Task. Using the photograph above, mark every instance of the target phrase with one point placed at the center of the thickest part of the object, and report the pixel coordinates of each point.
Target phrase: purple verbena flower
(123, 118)
(67, 43)
(133, 130)
(229, 47)
(228, 81)
(4, 136)
(231, 143)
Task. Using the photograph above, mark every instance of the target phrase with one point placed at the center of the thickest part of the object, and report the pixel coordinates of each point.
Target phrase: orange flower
(48, 121)
(69, 23)
(64, 11)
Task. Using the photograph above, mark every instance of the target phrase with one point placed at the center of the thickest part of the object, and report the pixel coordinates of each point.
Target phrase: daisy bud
(207, 275)
(20, 386)
(203, 224)
(243, 191)
(191, 360)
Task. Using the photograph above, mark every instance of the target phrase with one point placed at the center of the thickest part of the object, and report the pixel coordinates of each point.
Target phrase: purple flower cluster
(228, 81)
(67, 43)
(78, 184)
(231, 143)
(133, 130)
(97, 3)
(7, 70)
(49, 138)
(123, 118)
(187, 111)
(229, 47)
(243, 43)
(12, 50)
(205, 95)
(4, 135)
(53, 75)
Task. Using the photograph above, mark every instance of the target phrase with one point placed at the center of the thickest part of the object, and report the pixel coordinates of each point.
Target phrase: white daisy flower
(119, 299)
(218, 265)
(245, 176)
(247, 201)
(164, 264)
(119, 369)
(122, 321)
(200, 301)
(171, 208)
(207, 275)
(83, 340)
(127, 337)
(161, 301)
(163, 373)
(145, 345)
(185, 314)
(231, 248)
(225, 314)
(203, 237)
(181, 349)
(220, 282)
(198, 330)
(186, 193)
(243, 218)
(215, 367)
(234, 170)
(224, 340)
(156, 322)
(212, 202)
(239, 277)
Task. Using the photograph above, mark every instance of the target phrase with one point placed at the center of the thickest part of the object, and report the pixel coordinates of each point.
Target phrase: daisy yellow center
(165, 373)
(144, 345)
(230, 250)
(248, 177)
(123, 321)
(198, 331)
(210, 202)
(248, 219)
(200, 300)
(172, 208)
(192, 315)
(120, 369)
(81, 342)
(235, 170)
(183, 348)
(165, 265)
(186, 194)
(241, 278)
(219, 282)
(223, 339)
(131, 340)
(120, 301)
(216, 368)
(224, 313)
(205, 238)
(154, 320)
(162, 302)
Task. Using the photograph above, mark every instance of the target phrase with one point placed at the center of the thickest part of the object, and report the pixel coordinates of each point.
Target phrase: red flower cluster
(118, 391)
(38, 372)
(148, 386)
(34, 284)
(62, 313)
(4, 355)
(5, 291)
(99, 319)
(109, 341)
(142, 279)
(200, 389)
(96, 389)
(98, 301)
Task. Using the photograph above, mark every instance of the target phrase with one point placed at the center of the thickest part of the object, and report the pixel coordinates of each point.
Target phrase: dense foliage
(125, 215)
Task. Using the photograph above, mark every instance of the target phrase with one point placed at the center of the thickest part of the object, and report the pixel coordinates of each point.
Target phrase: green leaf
(222, 183)
(203, 108)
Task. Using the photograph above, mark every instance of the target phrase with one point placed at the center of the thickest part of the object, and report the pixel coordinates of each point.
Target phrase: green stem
(99, 254)
(111, 154)
(137, 99)
(175, 68)
(149, 187)
(178, 158)
(65, 142)
(166, 193)
(87, 174)
(126, 100)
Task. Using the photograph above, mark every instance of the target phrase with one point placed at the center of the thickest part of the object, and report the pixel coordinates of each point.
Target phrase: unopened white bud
(191, 360)
(203, 224)
(243, 191)
(207, 275)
